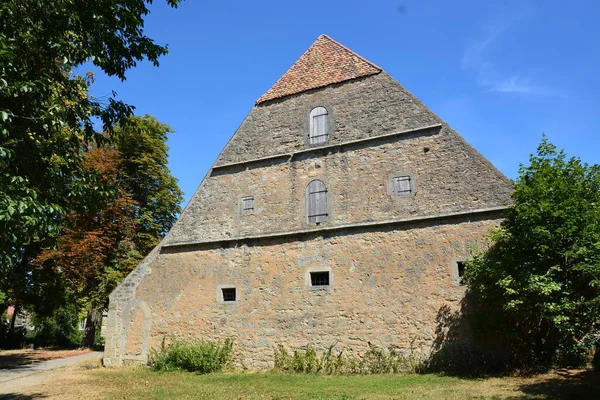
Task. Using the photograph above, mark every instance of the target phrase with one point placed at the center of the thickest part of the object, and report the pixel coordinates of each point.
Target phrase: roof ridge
(350, 51)
(325, 62)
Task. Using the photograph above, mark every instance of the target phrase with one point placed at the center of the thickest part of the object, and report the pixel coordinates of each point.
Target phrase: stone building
(338, 212)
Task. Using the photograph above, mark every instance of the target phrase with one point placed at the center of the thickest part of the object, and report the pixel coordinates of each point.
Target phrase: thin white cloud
(515, 84)
(486, 73)
(473, 57)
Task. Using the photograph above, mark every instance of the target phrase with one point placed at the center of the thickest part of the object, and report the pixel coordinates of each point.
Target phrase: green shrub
(61, 329)
(332, 362)
(200, 356)
(539, 280)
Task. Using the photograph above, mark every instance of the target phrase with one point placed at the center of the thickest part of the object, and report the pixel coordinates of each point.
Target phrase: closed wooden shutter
(317, 202)
(402, 185)
(247, 205)
(318, 125)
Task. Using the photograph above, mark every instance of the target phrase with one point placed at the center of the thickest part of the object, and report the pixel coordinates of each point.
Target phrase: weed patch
(201, 356)
(337, 362)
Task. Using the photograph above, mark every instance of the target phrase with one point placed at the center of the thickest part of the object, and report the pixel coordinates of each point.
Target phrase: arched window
(319, 126)
(316, 202)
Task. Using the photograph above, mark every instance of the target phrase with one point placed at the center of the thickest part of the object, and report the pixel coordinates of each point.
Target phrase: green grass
(142, 383)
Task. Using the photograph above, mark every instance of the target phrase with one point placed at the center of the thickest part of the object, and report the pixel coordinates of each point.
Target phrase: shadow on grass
(14, 359)
(18, 396)
(10, 361)
(565, 385)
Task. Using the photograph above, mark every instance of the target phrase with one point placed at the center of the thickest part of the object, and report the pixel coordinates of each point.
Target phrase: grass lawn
(89, 380)
(146, 384)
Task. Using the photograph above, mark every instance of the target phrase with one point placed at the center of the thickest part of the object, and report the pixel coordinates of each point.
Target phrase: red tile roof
(324, 63)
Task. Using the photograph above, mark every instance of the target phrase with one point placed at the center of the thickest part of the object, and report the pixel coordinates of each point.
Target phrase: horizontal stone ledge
(322, 230)
(321, 148)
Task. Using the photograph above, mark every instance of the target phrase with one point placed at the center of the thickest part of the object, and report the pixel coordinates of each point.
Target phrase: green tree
(142, 144)
(100, 245)
(47, 115)
(95, 249)
(540, 280)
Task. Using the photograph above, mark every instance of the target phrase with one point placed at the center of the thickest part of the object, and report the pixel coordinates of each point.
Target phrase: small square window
(319, 278)
(402, 185)
(229, 295)
(247, 205)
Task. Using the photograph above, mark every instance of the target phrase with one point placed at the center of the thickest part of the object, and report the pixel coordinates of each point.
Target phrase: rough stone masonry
(405, 200)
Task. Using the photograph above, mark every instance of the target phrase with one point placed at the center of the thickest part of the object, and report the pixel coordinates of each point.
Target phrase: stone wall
(390, 280)
(362, 108)
(388, 286)
(448, 175)
(123, 317)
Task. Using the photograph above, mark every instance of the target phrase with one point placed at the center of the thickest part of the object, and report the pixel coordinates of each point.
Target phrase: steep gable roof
(324, 63)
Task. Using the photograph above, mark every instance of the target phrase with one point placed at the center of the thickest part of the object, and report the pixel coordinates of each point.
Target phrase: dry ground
(90, 381)
(13, 358)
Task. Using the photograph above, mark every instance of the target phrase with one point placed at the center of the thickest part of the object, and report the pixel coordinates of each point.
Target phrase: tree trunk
(90, 329)
(596, 360)
(3, 308)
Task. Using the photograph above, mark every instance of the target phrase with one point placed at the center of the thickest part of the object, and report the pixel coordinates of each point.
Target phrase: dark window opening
(319, 278)
(229, 294)
(461, 267)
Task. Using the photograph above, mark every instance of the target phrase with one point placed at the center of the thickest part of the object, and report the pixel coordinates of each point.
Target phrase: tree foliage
(47, 116)
(540, 281)
(96, 243)
(142, 144)
(100, 245)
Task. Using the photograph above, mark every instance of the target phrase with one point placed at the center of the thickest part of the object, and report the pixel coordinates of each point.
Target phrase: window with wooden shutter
(247, 205)
(316, 202)
(319, 126)
(402, 185)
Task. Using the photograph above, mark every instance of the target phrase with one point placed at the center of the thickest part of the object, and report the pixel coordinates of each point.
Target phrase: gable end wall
(391, 282)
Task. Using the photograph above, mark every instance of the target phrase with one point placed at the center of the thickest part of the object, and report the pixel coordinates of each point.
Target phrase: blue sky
(499, 72)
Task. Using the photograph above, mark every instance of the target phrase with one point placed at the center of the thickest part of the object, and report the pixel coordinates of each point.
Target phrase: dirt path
(13, 358)
(46, 378)
(67, 383)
